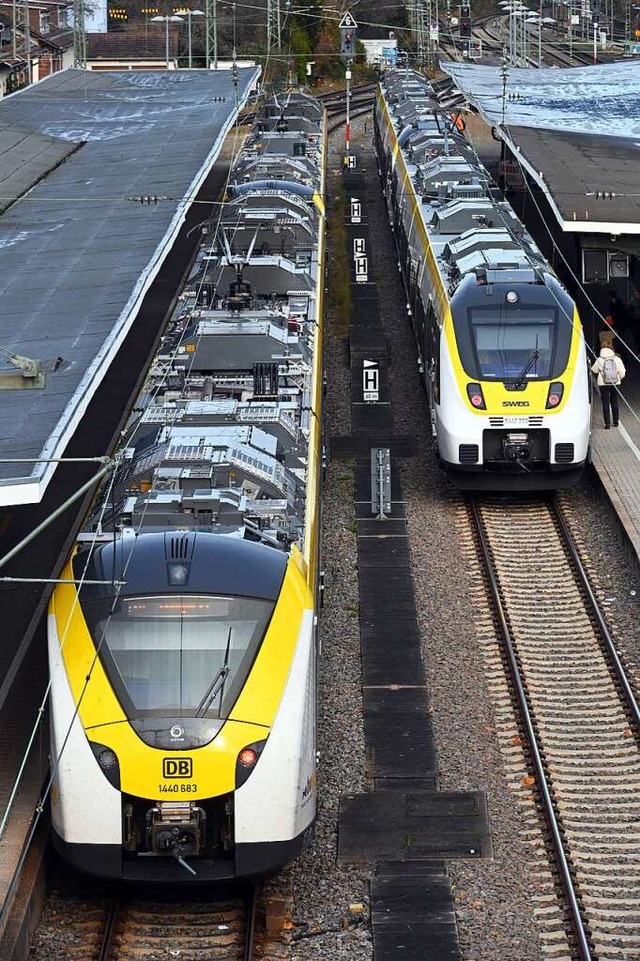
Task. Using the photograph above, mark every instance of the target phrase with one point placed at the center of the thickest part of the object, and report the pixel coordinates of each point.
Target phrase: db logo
(177, 767)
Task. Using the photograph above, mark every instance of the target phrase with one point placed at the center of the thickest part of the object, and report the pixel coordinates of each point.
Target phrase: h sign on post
(370, 380)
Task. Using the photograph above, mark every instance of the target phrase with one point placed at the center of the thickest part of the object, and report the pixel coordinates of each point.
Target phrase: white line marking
(627, 439)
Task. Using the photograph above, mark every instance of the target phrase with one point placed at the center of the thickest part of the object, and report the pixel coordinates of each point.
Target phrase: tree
(301, 49)
(329, 64)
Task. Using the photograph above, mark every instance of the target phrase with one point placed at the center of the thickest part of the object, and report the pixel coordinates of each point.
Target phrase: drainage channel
(404, 826)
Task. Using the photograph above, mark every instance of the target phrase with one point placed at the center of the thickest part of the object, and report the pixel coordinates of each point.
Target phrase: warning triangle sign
(348, 21)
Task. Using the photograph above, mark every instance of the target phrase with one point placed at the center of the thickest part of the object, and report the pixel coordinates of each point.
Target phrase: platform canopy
(603, 99)
(576, 132)
(78, 251)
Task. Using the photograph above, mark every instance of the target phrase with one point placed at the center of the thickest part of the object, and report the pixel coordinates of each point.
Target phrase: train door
(416, 311)
(432, 364)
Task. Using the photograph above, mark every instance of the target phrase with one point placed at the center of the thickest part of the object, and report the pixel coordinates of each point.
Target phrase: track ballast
(578, 718)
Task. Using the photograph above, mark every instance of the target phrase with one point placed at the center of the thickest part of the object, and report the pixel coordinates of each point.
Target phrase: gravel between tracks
(494, 919)
(322, 892)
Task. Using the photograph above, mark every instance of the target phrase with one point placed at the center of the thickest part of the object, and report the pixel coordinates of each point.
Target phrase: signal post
(348, 28)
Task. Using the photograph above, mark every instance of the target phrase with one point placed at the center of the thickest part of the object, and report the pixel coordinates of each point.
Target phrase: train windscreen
(513, 344)
(179, 655)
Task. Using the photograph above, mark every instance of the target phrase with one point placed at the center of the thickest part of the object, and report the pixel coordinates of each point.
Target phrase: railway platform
(615, 456)
(615, 453)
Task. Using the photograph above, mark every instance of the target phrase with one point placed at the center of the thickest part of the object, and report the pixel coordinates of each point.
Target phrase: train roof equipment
(458, 196)
(225, 433)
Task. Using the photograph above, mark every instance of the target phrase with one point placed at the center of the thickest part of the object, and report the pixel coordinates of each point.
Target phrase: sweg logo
(177, 767)
(516, 403)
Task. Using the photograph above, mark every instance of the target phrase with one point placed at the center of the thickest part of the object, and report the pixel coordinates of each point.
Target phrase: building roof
(576, 132)
(60, 39)
(77, 253)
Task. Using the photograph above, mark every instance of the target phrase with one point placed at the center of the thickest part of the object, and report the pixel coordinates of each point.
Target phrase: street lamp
(188, 14)
(536, 18)
(166, 21)
(516, 10)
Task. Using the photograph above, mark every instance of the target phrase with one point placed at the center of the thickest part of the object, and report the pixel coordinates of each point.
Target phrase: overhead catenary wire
(493, 188)
(147, 499)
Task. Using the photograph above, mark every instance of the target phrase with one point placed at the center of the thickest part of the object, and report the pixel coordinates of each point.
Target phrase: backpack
(610, 371)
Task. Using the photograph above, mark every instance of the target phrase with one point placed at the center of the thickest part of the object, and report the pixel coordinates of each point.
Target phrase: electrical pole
(234, 65)
(423, 21)
(79, 36)
(421, 35)
(211, 31)
(27, 40)
(274, 38)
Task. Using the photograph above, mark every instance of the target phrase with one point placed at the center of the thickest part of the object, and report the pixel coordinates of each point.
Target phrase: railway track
(361, 101)
(579, 724)
(196, 930)
(492, 32)
(338, 96)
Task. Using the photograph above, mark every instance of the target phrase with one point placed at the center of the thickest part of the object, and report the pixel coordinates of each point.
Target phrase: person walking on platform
(633, 309)
(607, 334)
(610, 372)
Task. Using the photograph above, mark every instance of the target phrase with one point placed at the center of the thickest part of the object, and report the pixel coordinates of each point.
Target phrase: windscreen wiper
(216, 687)
(533, 359)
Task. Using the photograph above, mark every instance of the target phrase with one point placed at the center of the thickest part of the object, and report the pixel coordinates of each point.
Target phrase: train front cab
(509, 386)
(150, 788)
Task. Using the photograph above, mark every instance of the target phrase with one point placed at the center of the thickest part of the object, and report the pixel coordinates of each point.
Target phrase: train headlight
(107, 762)
(247, 760)
(556, 390)
(107, 759)
(247, 757)
(475, 395)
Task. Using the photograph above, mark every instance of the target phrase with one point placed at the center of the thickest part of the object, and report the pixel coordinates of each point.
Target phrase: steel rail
(536, 756)
(108, 934)
(339, 124)
(250, 933)
(618, 668)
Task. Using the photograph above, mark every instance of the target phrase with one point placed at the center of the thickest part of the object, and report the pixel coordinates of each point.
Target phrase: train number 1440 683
(177, 788)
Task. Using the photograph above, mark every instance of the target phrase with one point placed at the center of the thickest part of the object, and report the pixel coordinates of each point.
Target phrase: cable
(578, 283)
(535, 258)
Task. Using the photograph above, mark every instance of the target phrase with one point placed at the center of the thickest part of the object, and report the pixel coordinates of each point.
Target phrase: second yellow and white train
(500, 343)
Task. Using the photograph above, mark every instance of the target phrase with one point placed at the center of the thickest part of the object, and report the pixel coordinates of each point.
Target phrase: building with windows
(27, 55)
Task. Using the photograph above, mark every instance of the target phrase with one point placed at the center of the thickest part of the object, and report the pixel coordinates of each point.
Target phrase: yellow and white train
(183, 652)
(500, 343)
